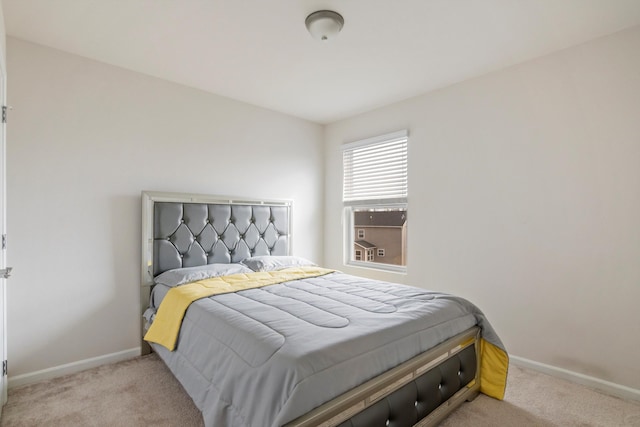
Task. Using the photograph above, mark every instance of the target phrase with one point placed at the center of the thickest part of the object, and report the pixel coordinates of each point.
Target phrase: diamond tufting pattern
(417, 399)
(193, 234)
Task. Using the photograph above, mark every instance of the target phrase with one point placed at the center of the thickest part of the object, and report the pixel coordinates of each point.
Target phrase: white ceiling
(259, 51)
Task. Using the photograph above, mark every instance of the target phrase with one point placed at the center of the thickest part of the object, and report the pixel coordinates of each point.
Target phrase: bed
(264, 338)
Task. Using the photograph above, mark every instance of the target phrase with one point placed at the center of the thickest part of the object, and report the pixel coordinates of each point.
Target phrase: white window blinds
(375, 169)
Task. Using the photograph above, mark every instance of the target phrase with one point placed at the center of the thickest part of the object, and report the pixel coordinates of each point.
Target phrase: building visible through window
(386, 232)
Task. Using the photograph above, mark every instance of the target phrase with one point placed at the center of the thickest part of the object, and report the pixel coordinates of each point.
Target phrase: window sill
(401, 269)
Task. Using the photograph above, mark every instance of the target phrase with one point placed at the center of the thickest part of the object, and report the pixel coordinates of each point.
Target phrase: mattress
(263, 357)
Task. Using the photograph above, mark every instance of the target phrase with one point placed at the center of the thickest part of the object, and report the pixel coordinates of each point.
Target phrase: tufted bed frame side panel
(422, 396)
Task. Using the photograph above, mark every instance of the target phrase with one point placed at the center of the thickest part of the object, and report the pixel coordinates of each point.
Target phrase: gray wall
(524, 197)
(84, 139)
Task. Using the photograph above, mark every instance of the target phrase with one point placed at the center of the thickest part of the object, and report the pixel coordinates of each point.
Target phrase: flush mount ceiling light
(324, 24)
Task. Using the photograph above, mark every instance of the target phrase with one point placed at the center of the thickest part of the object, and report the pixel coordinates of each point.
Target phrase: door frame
(3, 232)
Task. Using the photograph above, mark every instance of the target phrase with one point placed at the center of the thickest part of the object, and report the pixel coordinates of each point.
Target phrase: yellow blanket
(494, 364)
(166, 325)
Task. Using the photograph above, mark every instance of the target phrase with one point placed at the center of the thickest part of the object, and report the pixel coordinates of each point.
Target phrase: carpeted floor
(142, 392)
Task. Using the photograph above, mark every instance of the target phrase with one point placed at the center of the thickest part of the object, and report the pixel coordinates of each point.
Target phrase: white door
(3, 251)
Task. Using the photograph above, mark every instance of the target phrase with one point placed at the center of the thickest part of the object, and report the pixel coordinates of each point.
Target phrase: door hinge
(4, 114)
(5, 368)
(4, 241)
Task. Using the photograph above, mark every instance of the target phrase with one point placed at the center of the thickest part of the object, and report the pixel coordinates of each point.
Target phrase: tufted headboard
(193, 234)
(188, 230)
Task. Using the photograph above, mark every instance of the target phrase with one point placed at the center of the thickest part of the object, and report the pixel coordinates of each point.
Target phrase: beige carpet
(142, 392)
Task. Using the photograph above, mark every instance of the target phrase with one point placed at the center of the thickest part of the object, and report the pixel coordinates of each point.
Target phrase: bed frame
(184, 230)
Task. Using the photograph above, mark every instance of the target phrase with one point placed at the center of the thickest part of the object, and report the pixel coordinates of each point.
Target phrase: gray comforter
(265, 356)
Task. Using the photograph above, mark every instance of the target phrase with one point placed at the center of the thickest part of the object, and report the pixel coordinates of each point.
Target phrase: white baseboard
(607, 387)
(72, 368)
(610, 388)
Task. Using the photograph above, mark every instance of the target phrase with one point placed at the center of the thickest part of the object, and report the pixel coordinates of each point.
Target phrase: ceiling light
(324, 24)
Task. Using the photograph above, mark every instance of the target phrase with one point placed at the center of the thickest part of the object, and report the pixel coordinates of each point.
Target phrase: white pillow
(270, 263)
(179, 276)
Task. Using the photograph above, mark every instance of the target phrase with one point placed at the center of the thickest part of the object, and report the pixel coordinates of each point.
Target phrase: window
(370, 255)
(375, 201)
